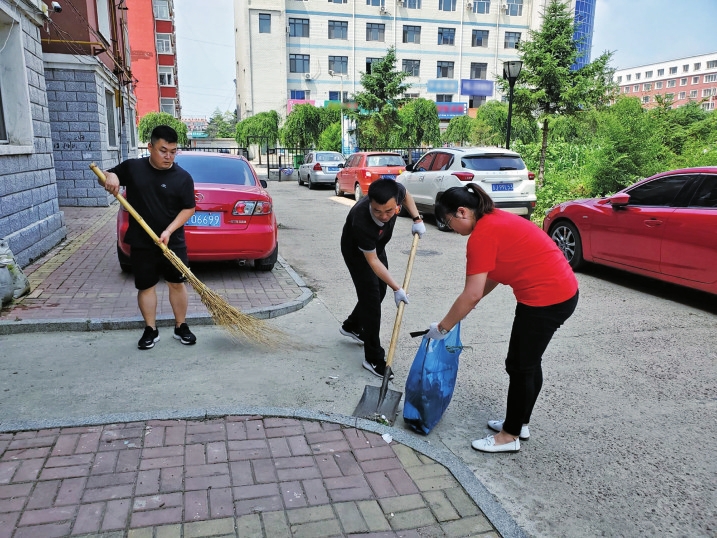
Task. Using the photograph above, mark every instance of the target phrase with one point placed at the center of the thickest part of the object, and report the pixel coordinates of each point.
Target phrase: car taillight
(463, 176)
(531, 176)
(251, 208)
(317, 166)
(368, 174)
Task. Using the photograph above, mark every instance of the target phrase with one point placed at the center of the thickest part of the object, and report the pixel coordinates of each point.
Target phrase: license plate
(502, 187)
(333, 168)
(388, 176)
(205, 218)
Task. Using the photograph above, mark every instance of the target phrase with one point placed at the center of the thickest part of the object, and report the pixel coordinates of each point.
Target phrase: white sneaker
(488, 445)
(497, 425)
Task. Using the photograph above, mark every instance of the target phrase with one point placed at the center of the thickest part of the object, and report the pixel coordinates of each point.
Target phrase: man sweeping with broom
(163, 193)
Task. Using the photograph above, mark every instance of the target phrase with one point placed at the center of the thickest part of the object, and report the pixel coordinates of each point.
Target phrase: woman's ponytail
(471, 196)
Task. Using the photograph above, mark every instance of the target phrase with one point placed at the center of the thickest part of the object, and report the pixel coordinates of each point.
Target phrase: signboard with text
(451, 110)
(290, 103)
(477, 87)
(442, 85)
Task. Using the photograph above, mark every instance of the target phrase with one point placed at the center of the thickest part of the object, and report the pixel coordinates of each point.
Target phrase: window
(3, 130)
(669, 96)
(646, 99)
(697, 66)
(660, 72)
(444, 98)
(682, 95)
(695, 80)
(514, 8)
(708, 106)
(710, 78)
(111, 118)
(619, 79)
(297, 94)
(626, 89)
(706, 195)
(693, 94)
(479, 70)
(300, 27)
(412, 67)
(339, 64)
(446, 5)
(103, 19)
(628, 77)
(673, 70)
(446, 36)
(375, 32)
(298, 63)
(412, 4)
(511, 40)
(166, 76)
(711, 64)
(685, 68)
(671, 83)
(336, 96)
(479, 38)
(167, 105)
(164, 43)
(16, 133)
(264, 23)
(375, 2)
(411, 34)
(660, 192)
(683, 81)
(658, 85)
(338, 30)
(369, 63)
(648, 74)
(637, 76)
(706, 92)
(444, 70)
(161, 9)
(337, 1)
(646, 87)
(481, 6)
(132, 127)
(636, 88)
(411, 95)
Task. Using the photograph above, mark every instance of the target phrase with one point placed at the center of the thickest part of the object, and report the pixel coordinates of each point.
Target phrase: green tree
(302, 127)
(221, 125)
(548, 85)
(330, 138)
(459, 130)
(154, 119)
(419, 119)
(263, 128)
(376, 114)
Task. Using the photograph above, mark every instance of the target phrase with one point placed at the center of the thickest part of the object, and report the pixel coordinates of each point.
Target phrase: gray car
(320, 168)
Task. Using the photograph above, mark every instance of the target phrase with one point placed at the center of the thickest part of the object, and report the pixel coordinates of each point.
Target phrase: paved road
(621, 433)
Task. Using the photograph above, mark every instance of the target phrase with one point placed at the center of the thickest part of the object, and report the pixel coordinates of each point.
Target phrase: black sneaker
(351, 334)
(149, 338)
(184, 335)
(377, 369)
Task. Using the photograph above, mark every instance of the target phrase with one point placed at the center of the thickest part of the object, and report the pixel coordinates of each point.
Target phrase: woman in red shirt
(504, 248)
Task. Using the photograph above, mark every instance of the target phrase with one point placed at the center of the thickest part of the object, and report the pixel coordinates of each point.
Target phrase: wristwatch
(417, 218)
(442, 330)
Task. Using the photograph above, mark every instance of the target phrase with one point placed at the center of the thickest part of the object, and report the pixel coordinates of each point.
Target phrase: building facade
(150, 25)
(30, 216)
(584, 25)
(313, 51)
(679, 81)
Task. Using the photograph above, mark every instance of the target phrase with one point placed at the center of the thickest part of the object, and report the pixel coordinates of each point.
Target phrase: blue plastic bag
(430, 382)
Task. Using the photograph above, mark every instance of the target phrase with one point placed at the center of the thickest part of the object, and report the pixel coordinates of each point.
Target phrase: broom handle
(122, 200)
(401, 305)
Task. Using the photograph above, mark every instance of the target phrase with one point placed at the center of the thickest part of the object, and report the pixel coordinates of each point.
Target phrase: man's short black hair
(382, 190)
(164, 132)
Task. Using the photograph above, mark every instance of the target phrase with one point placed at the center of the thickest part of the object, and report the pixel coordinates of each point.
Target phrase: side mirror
(341, 165)
(409, 167)
(263, 183)
(620, 199)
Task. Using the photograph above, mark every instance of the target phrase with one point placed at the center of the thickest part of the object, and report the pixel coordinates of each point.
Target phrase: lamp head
(511, 70)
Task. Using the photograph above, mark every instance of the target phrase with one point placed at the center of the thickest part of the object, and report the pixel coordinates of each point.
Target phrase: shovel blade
(372, 407)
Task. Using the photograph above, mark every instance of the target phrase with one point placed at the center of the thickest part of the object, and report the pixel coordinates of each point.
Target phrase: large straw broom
(239, 325)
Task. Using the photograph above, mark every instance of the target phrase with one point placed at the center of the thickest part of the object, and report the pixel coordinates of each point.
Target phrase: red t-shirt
(515, 252)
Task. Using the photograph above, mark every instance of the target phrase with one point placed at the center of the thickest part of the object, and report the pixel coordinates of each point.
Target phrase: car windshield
(332, 157)
(492, 163)
(384, 160)
(207, 169)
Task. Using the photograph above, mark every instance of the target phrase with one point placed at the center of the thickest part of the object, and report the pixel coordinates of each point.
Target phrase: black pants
(533, 328)
(365, 318)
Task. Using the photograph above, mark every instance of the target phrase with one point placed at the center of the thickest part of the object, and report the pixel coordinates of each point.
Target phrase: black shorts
(149, 263)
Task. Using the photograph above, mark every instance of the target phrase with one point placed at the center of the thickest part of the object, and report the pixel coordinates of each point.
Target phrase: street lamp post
(511, 71)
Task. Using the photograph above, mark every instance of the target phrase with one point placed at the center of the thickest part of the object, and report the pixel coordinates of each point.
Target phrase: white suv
(499, 172)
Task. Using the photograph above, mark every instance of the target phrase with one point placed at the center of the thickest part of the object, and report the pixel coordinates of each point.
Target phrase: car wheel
(337, 189)
(267, 264)
(567, 237)
(124, 261)
(357, 192)
(301, 181)
(311, 183)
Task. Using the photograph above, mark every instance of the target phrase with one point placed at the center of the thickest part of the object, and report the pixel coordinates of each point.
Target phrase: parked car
(363, 168)
(234, 217)
(663, 227)
(320, 168)
(499, 172)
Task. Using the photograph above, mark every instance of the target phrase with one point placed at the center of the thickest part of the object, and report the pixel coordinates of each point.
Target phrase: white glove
(418, 228)
(433, 332)
(400, 295)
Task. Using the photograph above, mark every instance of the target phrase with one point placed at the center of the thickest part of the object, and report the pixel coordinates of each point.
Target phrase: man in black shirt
(368, 228)
(163, 194)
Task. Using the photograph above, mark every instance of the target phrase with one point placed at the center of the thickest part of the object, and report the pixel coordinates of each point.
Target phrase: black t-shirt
(362, 234)
(158, 196)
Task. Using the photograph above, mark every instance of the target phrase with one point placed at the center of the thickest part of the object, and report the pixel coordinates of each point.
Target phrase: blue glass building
(584, 22)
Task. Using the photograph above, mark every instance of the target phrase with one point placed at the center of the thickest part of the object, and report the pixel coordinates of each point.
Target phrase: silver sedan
(320, 168)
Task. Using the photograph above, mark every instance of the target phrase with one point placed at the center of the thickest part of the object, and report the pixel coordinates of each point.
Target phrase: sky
(638, 32)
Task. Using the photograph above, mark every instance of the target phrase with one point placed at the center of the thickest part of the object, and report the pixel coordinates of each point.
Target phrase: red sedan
(234, 217)
(663, 227)
(363, 168)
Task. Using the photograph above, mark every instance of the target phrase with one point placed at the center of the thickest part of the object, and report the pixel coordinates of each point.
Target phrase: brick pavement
(230, 476)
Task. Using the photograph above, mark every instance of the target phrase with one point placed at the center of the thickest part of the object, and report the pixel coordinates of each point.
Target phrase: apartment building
(150, 25)
(682, 80)
(313, 51)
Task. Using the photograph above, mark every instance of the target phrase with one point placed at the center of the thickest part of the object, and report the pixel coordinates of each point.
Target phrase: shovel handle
(399, 312)
(123, 201)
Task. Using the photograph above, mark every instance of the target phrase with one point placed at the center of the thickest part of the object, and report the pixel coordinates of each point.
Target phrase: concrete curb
(136, 322)
(495, 513)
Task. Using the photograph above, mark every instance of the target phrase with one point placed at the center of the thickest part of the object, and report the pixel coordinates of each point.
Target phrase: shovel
(381, 404)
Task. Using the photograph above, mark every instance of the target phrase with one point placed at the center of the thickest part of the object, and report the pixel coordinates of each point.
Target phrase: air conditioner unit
(307, 76)
(469, 5)
(331, 73)
(399, 2)
(382, 10)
